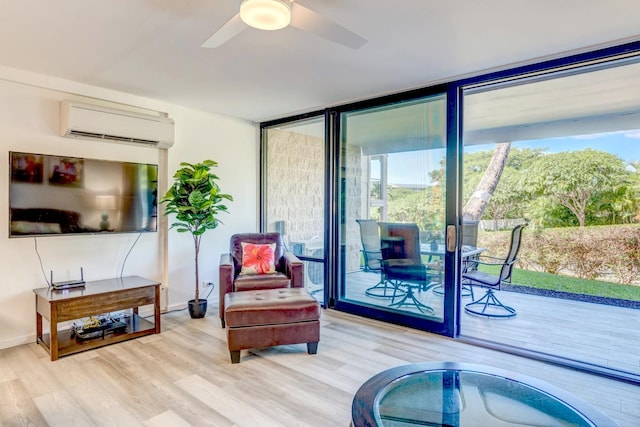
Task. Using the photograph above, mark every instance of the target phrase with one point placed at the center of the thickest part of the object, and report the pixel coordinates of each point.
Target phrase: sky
(626, 145)
(408, 167)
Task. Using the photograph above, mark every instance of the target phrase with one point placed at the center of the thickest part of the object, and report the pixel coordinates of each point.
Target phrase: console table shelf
(95, 298)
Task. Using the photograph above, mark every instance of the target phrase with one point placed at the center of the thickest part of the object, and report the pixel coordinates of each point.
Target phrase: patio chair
(370, 240)
(402, 263)
(489, 305)
(372, 254)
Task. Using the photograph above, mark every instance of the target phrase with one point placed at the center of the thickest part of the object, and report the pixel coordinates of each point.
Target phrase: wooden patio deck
(600, 334)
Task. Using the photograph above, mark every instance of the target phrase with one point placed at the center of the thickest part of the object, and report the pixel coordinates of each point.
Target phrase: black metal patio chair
(489, 305)
(372, 254)
(402, 264)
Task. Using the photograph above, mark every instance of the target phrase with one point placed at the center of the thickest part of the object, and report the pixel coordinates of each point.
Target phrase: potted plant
(196, 201)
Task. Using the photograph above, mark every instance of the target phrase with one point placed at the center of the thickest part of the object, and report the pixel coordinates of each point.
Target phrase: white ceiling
(152, 47)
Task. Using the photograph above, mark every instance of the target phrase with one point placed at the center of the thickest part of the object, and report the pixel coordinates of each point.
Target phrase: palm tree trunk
(479, 200)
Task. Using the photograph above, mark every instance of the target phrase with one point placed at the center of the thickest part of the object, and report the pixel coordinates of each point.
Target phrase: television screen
(54, 195)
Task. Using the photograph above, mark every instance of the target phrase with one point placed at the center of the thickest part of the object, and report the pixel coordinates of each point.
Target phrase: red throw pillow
(258, 259)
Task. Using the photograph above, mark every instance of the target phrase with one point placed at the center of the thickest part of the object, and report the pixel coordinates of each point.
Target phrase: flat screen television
(57, 195)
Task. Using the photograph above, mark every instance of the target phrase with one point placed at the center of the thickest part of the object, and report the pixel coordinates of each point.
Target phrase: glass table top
(456, 394)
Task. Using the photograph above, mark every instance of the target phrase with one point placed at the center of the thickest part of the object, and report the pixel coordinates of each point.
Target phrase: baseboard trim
(16, 341)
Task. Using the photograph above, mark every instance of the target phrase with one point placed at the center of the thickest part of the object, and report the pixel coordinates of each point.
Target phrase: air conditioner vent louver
(94, 122)
(91, 135)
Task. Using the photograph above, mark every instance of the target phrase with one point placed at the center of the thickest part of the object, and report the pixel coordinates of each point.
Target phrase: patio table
(467, 251)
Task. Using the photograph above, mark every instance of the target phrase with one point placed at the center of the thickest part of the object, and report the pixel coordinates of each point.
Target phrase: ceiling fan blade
(307, 20)
(229, 30)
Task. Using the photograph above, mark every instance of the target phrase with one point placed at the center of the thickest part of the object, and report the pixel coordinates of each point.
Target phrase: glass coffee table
(462, 394)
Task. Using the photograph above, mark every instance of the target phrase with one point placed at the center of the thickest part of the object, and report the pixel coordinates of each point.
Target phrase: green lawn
(574, 285)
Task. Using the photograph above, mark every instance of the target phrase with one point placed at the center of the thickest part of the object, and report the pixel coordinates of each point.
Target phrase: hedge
(610, 253)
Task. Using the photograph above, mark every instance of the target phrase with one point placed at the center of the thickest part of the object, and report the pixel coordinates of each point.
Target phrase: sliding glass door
(392, 222)
(566, 161)
(293, 192)
(389, 201)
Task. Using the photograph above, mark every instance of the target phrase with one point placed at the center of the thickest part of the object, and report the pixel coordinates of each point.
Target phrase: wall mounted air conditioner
(86, 121)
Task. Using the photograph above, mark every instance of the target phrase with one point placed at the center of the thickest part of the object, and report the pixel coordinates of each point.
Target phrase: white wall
(233, 144)
(29, 120)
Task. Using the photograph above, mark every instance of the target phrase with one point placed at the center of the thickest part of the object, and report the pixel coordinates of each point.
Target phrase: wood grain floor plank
(39, 380)
(59, 409)
(126, 387)
(17, 408)
(21, 358)
(167, 418)
(224, 403)
(115, 416)
(6, 373)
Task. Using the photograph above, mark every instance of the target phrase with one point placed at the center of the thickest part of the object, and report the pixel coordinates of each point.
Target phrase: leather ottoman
(271, 317)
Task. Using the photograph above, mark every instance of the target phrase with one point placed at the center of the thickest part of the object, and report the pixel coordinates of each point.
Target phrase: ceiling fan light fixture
(266, 14)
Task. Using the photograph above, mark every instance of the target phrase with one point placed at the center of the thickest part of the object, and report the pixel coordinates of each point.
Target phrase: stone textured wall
(295, 190)
(355, 200)
(295, 184)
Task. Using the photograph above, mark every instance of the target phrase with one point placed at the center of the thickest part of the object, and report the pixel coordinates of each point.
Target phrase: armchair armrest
(226, 276)
(294, 269)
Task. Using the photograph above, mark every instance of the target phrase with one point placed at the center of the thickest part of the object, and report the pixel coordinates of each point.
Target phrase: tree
(578, 180)
(479, 199)
(510, 197)
(424, 207)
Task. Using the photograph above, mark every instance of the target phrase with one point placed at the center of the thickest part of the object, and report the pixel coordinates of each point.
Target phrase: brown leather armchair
(289, 269)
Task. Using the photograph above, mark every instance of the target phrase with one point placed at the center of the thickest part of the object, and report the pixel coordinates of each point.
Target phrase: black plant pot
(197, 309)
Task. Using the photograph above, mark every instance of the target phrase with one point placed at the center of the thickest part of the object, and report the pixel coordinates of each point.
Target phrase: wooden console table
(97, 297)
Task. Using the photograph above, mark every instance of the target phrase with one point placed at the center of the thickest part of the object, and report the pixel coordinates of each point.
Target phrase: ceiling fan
(277, 14)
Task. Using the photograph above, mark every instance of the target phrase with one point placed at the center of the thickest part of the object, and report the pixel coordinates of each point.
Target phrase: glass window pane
(295, 193)
(393, 189)
(560, 153)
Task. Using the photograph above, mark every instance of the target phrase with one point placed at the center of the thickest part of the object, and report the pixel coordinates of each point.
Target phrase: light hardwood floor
(183, 377)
